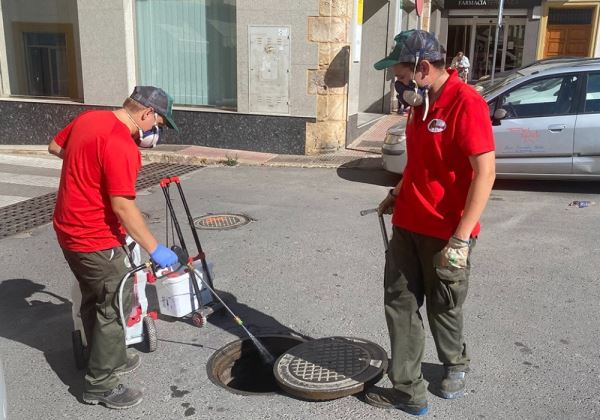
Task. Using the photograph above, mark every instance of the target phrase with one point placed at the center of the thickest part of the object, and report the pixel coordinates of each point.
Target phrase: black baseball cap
(157, 99)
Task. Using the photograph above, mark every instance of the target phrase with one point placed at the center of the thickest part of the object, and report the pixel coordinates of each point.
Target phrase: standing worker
(95, 206)
(436, 210)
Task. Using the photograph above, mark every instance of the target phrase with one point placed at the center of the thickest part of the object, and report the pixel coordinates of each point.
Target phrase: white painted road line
(7, 200)
(33, 180)
(36, 162)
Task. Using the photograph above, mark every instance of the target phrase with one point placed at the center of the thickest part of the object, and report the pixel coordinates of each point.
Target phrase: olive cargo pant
(410, 278)
(99, 274)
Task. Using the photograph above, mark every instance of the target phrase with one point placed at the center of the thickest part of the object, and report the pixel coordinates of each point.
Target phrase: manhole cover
(329, 368)
(220, 221)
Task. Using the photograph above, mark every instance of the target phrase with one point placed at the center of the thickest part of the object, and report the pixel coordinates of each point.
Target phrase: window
(541, 98)
(188, 48)
(41, 56)
(592, 93)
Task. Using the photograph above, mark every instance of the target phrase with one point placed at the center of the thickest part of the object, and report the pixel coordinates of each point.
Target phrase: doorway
(475, 37)
(569, 32)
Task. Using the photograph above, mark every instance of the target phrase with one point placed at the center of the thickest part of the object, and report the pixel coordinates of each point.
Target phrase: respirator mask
(413, 95)
(148, 139)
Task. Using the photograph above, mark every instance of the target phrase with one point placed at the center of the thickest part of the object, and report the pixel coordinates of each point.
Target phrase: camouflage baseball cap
(157, 99)
(408, 45)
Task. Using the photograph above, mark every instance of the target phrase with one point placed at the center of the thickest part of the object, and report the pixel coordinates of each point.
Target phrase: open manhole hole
(239, 368)
(316, 370)
(221, 221)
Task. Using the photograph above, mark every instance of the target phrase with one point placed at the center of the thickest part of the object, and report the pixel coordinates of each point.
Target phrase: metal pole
(498, 25)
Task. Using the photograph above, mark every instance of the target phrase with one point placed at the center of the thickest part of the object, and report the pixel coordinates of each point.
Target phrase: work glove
(163, 256)
(454, 255)
(387, 205)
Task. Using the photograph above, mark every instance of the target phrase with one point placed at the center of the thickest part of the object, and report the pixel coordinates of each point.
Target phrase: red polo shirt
(438, 173)
(101, 159)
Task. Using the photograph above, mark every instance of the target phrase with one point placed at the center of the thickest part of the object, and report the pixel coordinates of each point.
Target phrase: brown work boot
(118, 398)
(453, 384)
(132, 364)
(390, 398)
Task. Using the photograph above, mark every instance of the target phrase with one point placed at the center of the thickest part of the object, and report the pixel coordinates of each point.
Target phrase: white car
(394, 149)
(545, 119)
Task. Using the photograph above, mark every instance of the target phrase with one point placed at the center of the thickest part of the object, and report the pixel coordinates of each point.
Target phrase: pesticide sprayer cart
(184, 290)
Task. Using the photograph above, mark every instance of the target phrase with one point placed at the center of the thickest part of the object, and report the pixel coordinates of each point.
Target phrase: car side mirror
(499, 115)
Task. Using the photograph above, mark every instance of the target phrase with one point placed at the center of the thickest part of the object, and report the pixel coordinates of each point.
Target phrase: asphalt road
(309, 263)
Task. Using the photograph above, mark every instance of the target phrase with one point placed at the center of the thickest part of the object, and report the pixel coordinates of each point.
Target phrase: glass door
(483, 51)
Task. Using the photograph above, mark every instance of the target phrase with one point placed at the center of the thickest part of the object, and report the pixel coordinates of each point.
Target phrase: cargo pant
(410, 279)
(99, 274)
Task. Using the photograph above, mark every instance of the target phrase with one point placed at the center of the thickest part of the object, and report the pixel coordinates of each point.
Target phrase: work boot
(132, 364)
(118, 398)
(390, 398)
(453, 384)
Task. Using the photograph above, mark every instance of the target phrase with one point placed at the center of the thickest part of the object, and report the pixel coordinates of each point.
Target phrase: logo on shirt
(436, 126)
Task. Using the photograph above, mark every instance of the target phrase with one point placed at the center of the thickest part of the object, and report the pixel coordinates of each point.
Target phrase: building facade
(280, 76)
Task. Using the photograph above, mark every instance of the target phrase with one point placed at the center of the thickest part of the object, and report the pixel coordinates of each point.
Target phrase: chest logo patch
(436, 126)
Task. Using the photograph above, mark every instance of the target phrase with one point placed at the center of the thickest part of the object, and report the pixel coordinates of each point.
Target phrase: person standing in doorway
(95, 207)
(461, 64)
(436, 208)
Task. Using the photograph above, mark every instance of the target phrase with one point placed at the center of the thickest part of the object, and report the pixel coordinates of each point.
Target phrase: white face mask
(148, 139)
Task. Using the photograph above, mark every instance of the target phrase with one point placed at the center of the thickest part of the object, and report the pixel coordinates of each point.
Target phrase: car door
(536, 136)
(586, 150)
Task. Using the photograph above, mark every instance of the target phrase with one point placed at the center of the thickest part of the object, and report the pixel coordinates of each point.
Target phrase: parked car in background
(394, 149)
(546, 121)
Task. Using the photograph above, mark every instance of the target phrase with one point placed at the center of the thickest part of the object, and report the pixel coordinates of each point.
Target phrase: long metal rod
(386, 240)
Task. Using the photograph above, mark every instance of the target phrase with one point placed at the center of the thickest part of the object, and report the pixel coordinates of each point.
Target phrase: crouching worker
(95, 206)
(436, 207)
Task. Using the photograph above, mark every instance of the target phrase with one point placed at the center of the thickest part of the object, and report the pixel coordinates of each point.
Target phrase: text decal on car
(436, 126)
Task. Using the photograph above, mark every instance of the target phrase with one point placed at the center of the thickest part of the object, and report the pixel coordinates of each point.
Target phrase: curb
(348, 159)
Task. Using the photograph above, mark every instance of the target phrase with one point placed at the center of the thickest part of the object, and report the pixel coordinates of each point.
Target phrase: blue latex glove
(163, 256)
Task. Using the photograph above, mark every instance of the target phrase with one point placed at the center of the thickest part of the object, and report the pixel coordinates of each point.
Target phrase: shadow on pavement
(257, 322)
(368, 171)
(581, 187)
(433, 375)
(42, 325)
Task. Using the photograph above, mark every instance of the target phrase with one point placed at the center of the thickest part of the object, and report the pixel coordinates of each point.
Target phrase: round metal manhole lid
(220, 221)
(329, 368)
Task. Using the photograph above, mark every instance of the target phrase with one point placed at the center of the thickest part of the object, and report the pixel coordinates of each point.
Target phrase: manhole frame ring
(246, 220)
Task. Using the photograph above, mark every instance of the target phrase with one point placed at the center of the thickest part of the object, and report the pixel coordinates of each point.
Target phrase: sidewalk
(364, 151)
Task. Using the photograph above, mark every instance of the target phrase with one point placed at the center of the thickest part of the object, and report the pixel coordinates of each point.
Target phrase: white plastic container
(176, 295)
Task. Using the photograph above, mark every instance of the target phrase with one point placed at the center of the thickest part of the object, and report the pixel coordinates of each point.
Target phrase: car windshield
(486, 87)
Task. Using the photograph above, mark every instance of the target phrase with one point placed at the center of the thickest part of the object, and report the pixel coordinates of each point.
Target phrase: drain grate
(38, 211)
(221, 221)
(330, 368)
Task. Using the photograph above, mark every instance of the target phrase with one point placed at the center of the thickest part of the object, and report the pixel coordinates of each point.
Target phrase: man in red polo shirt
(436, 206)
(95, 206)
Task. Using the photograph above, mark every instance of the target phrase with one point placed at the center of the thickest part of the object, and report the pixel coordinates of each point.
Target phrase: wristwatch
(392, 193)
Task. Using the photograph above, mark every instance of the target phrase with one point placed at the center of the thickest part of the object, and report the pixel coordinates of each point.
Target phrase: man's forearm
(55, 149)
(477, 197)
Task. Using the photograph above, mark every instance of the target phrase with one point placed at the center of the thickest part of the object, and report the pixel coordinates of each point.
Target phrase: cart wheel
(150, 340)
(198, 319)
(79, 351)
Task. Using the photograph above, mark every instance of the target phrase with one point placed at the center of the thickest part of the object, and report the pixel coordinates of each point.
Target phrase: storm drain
(329, 368)
(38, 211)
(220, 221)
